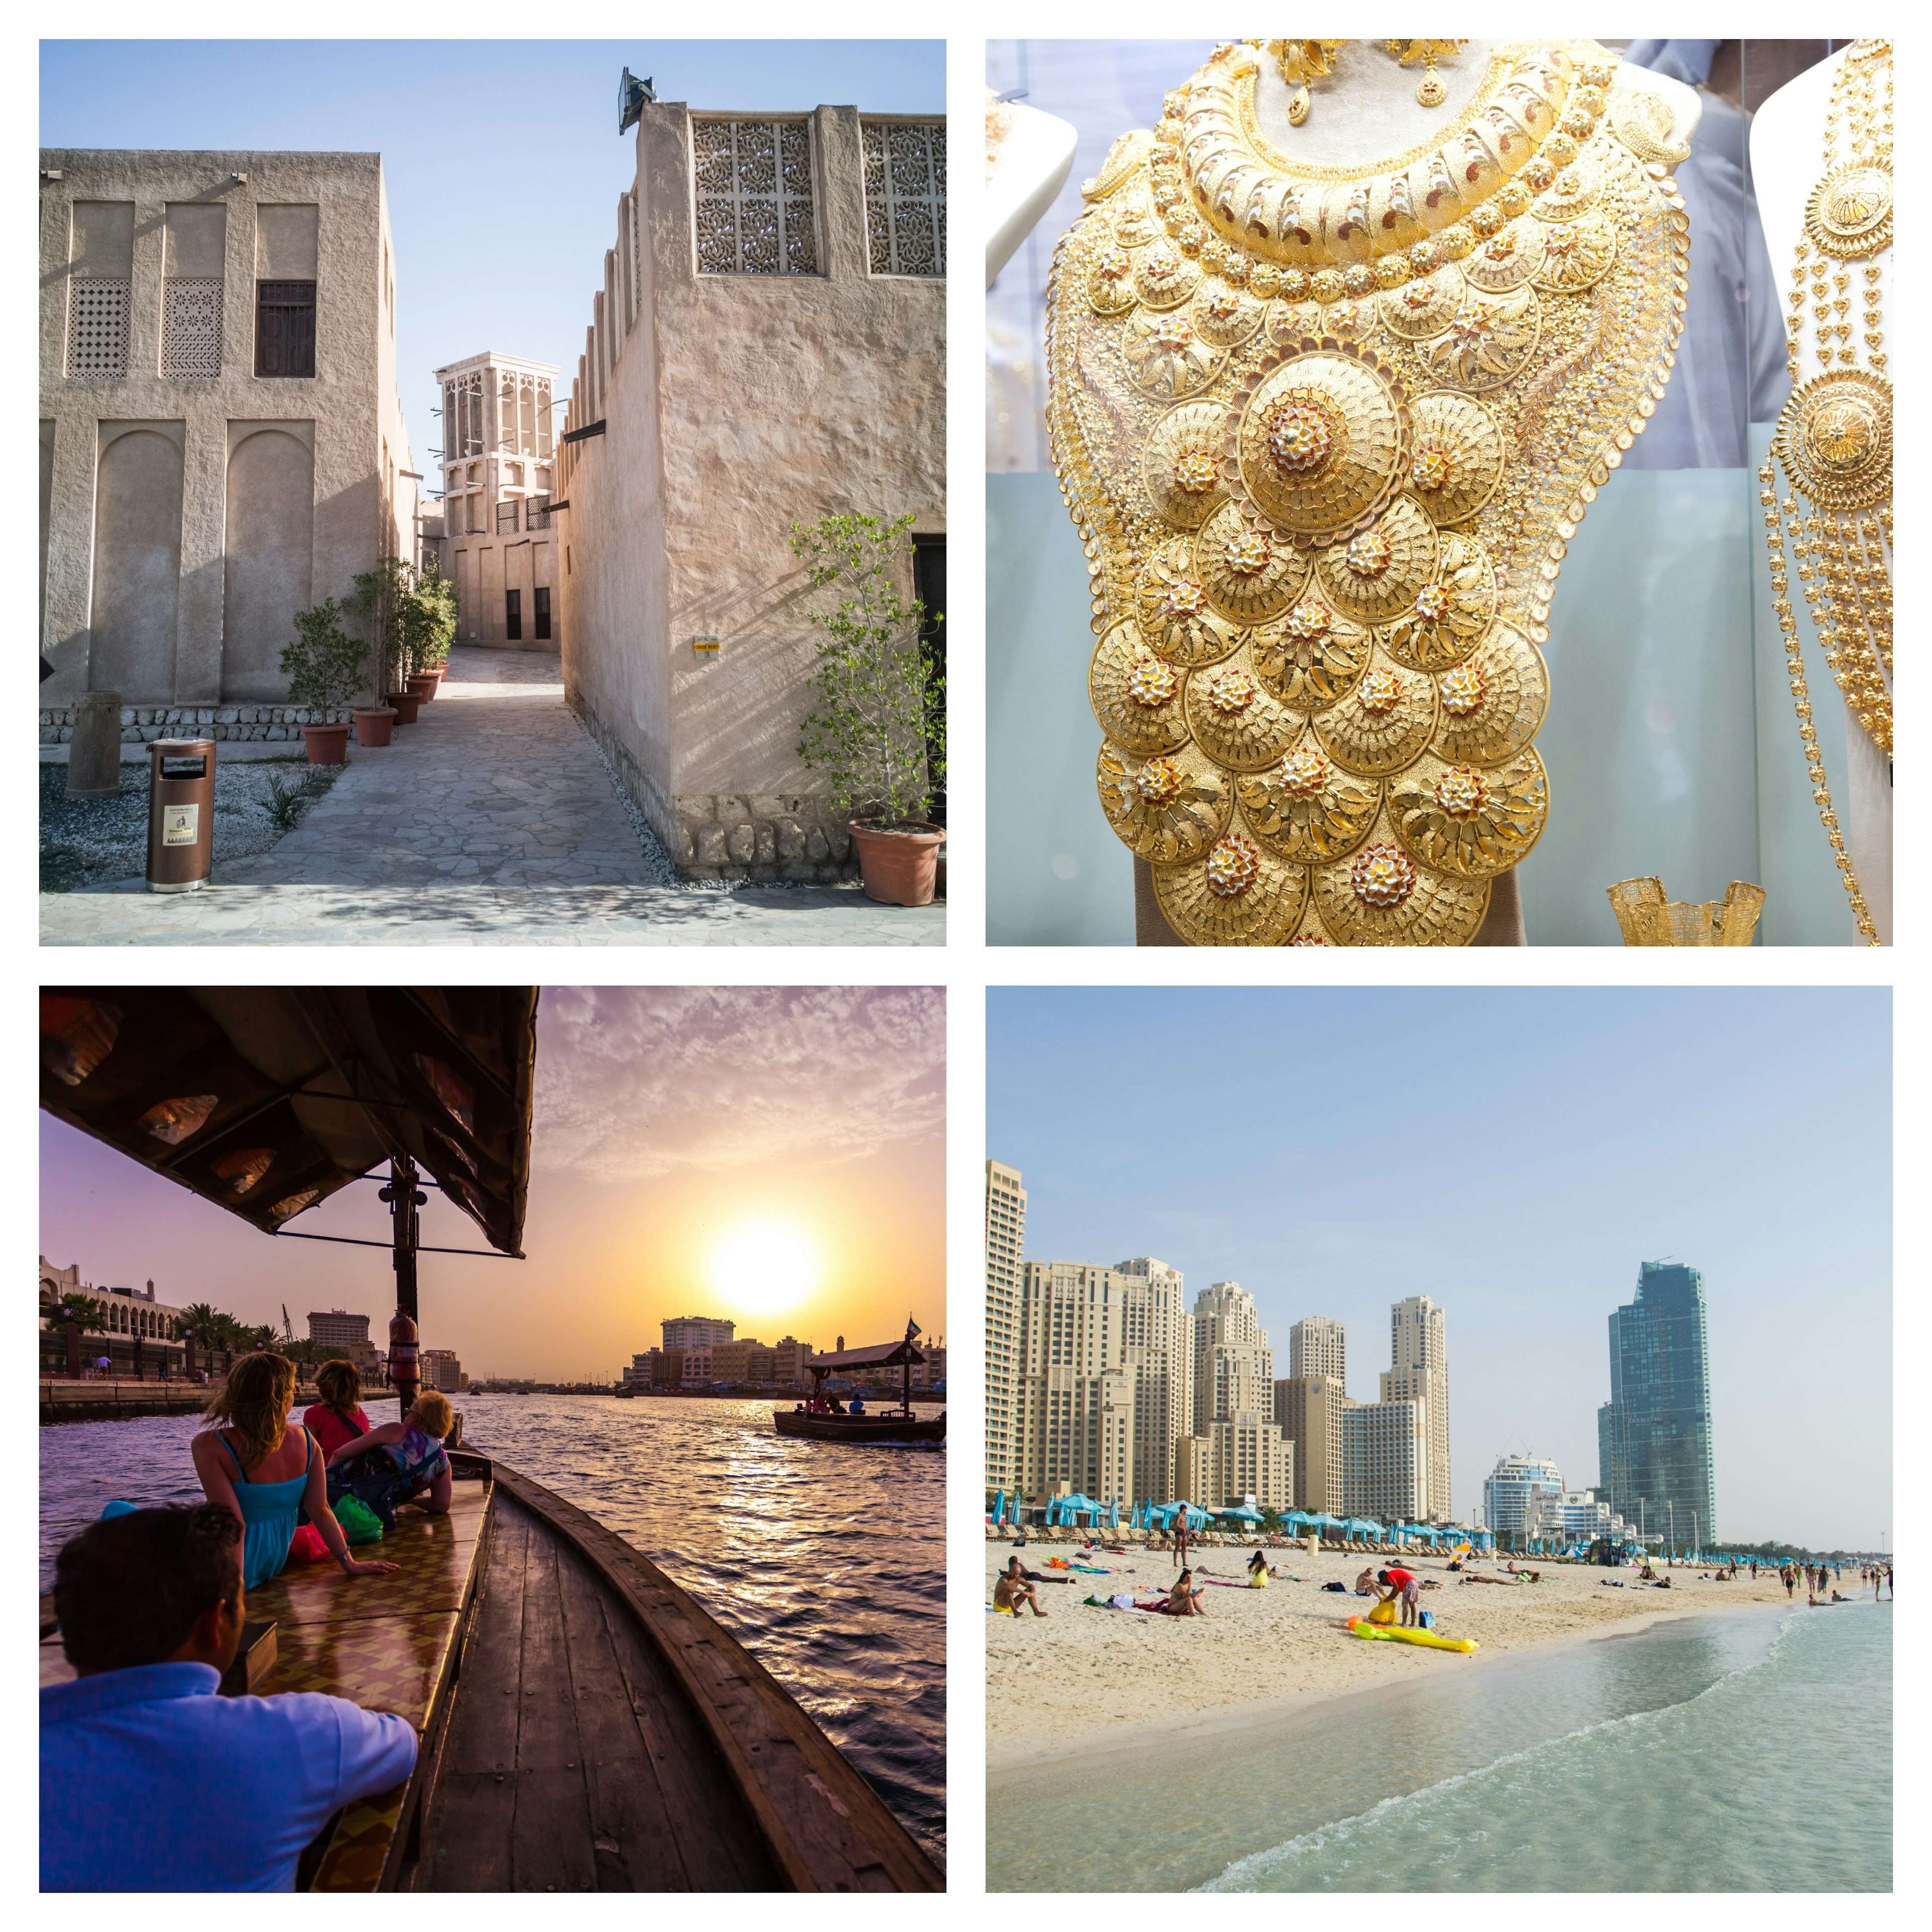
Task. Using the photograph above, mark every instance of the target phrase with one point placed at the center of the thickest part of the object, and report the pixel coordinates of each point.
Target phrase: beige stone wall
(734, 406)
(107, 619)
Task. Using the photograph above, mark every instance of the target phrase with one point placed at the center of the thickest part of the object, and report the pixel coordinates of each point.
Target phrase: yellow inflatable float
(1395, 1634)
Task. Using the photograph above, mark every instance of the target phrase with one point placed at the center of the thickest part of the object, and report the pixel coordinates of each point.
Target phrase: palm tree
(71, 1316)
(263, 1337)
(199, 1325)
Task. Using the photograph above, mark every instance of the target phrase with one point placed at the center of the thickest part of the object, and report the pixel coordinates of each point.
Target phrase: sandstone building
(221, 439)
(768, 347)
(497, 544)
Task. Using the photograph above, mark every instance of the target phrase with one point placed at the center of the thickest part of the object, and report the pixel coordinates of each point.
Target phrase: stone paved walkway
(491, 820)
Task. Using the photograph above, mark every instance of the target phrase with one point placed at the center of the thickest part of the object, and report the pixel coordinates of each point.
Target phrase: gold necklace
(1833, 441)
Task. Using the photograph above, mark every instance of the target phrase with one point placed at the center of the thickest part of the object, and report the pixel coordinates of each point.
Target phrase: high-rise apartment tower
(1006, 1245)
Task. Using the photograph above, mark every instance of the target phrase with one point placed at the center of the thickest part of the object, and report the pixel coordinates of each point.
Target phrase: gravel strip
(92, 842)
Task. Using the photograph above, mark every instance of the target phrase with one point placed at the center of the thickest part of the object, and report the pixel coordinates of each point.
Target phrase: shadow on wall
(744, 708)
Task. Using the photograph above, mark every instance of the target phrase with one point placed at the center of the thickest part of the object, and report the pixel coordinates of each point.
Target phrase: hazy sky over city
(669, 1124)
(1515, 1154)
(501, 158)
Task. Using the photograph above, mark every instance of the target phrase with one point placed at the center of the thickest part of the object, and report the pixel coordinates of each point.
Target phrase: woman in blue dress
(251, 1462)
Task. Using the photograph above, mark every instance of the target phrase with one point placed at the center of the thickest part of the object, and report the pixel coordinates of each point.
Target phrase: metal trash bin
(181, 814)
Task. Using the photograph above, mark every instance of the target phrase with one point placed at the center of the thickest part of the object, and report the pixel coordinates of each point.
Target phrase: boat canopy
(268, 1099)
(885, 1355)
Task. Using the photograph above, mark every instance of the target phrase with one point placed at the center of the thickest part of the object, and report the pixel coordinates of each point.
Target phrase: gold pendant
(1298, 106)
(1429, 91)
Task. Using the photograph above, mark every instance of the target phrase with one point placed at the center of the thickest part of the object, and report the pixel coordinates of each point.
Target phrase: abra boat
(892, 1428)
(585, 1724)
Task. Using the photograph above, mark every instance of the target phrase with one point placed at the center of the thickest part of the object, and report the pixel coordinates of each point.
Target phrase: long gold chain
(1834, 437)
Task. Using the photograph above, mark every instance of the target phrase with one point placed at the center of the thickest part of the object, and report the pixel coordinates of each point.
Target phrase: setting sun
(765, 1267)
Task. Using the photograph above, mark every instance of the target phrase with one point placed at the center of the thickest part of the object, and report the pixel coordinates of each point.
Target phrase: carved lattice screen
(752, 190)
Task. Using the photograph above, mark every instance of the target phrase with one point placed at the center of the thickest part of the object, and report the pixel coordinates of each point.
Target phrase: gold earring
(1430, 90)
(1299, 62)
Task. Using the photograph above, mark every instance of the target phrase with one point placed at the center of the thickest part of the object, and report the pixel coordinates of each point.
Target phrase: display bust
(1333, 375)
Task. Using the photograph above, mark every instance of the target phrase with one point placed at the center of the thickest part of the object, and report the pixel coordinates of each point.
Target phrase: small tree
(868, 731)
(377, 601)
(326, 667)
(428, 619)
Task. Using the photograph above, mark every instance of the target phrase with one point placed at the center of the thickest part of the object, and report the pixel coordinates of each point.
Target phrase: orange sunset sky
(802, 1127)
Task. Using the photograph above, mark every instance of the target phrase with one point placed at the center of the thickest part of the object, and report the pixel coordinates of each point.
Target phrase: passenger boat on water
(585, 1724)
(824, 1421)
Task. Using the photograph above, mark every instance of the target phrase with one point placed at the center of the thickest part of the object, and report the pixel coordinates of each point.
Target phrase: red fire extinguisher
(403, 1357)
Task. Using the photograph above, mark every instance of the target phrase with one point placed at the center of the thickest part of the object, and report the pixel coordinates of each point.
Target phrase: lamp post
(1670, 1507)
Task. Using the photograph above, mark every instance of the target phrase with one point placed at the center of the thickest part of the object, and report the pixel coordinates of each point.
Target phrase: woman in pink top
(338, 1418)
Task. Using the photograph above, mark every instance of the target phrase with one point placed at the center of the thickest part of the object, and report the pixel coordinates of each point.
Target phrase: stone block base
(142, 723)
(745, 838)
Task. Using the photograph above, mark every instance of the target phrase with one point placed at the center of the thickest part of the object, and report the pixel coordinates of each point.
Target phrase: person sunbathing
(1184, 1600)
(1011, 1590)
(1365, 1584)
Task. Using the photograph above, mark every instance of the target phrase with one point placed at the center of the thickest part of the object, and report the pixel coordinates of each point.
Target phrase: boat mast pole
(905, 1389)
(404, 1198)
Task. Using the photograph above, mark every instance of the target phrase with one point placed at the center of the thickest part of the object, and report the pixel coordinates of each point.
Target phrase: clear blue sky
(495, 249)
(1515, 1154)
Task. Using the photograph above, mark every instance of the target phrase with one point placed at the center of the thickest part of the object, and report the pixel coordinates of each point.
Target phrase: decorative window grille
(463, 415)
(506, 516)
(285, 328)
(536, 516)
(752, 181)
(97, 341)
(191, 326)
(905, 196)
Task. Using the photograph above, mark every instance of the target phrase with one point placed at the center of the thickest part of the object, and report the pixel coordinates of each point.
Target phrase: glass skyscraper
(1654, 1434)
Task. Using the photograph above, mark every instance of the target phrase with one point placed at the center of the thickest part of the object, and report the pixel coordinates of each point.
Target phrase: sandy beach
(1081, 1676)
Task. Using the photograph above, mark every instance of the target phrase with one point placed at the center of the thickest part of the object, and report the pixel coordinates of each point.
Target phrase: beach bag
(306, 1545)
(1382, 1613)
(360, 1523)
(1340, 1589)
(1429, 1620)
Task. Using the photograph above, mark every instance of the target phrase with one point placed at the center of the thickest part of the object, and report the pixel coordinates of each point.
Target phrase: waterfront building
(1006, 1249)
(639, 1372)
(128, 1317)
(696, 1331)
(1075, 1394)
(440, 1369)
(1318, 1346)
(221, 438)
(1385, 1461)
(1157, 1343)
(1659, 1467)
(1418, 1371)
(1510, 1487)
(1233, 1366)
(766, 346)
(498, 546)
(1308, 1410)
(1572, 1516)
(335, 1328)
(1236, 1459)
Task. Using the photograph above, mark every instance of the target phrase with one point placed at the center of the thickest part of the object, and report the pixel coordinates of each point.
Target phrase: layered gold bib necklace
(1327, 432)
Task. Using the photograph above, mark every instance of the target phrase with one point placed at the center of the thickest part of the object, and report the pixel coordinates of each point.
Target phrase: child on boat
(265, 1473)
(415, 1467)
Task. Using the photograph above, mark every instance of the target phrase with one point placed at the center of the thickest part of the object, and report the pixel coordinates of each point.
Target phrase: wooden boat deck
(586, 1725)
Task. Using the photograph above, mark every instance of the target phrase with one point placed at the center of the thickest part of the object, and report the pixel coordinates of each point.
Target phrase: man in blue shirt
(150, 1781)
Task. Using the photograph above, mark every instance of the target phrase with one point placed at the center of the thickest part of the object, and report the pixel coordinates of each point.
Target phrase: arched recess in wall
(137, 523)
(269, 552)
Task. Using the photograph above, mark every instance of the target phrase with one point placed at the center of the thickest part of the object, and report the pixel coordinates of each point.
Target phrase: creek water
(829, 1562)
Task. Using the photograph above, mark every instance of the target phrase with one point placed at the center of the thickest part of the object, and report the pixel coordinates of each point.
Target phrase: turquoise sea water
(1746, 1751)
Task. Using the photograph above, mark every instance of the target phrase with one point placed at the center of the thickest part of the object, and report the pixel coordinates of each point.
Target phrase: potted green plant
(325, 667)
(377, 600)
(428, 629)
(868, 730)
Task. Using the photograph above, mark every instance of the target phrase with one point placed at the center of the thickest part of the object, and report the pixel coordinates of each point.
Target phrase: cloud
(634, 1082)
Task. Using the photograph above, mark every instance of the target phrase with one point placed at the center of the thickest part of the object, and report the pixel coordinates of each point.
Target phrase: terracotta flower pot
(404, 703)
(423, 684)
(899, 867)
(328, 744)
(373, 723)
